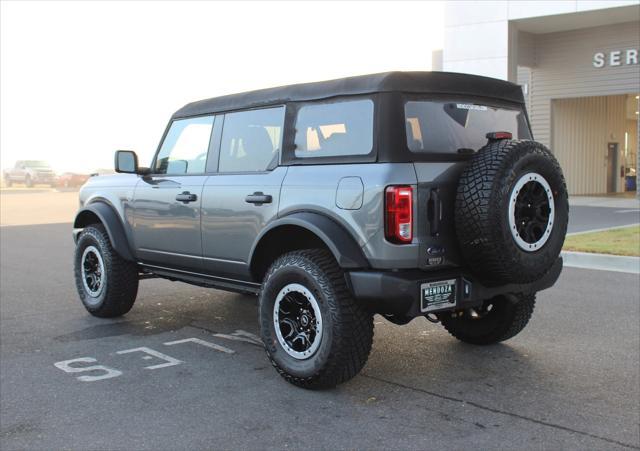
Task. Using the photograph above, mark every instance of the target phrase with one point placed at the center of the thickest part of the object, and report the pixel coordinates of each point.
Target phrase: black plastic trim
(204, 280)
(397, 293)
(111, 222)
(342, 245)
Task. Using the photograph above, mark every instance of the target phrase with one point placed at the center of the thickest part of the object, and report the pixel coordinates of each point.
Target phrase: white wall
(477, 32)
(564, 69)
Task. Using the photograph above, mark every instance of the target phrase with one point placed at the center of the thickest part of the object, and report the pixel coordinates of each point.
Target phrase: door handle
(186, 197)
(258, 198)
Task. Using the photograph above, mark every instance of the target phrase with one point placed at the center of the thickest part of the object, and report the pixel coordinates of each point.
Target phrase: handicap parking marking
(105, 372)
(109, 373)
(169, 361)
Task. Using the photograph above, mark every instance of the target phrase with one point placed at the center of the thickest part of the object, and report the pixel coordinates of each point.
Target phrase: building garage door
(595, 141)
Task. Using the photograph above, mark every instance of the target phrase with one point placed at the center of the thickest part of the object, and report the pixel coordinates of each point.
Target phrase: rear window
(446, 127)
(334, 129)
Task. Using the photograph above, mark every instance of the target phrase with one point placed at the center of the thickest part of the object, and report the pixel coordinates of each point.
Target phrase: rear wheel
(496, 320)
(7, 182)
(107, 284)
(315, 334)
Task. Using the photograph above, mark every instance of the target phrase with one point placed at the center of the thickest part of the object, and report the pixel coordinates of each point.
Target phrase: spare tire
(512, 211)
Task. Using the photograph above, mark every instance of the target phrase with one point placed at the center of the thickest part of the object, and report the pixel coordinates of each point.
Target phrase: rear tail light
(493, 136)
(399, 214)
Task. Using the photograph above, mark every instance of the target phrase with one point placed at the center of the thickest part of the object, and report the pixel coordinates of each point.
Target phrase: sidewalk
(622, 201)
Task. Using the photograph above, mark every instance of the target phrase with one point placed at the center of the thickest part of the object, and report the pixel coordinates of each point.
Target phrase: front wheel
(107, 284)
(496, 320)
(315, 334)
(28, 182)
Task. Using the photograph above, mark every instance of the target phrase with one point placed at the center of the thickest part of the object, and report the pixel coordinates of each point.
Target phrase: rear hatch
(444, 136)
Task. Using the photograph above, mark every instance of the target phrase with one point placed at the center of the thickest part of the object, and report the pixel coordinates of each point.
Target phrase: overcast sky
(82, 79)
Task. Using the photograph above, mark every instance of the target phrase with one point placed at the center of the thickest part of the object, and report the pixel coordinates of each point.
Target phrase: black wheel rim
(93, 271)
(297, 321)
(531, 212)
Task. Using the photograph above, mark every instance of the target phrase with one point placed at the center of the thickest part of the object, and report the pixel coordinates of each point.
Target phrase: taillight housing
(398, 207)
(494, 136)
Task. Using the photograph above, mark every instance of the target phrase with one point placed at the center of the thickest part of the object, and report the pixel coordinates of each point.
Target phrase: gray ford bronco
(403, 194)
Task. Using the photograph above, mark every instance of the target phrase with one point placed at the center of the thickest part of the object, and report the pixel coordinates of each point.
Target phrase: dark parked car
(30, 172)
(403, 194)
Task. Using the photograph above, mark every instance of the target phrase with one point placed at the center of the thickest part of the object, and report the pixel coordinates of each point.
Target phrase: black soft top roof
(407, 82)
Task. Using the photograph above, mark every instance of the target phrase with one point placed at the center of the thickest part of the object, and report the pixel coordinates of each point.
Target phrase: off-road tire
(509, 315)
(28, 182)
(482, 212)
(121, 288)
(7, 182)
(347, 325)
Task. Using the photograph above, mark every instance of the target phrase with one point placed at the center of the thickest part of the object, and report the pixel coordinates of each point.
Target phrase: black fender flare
(111, 222)
(340, 242)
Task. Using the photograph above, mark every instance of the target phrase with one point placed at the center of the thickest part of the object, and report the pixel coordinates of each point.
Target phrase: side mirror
(126, 162)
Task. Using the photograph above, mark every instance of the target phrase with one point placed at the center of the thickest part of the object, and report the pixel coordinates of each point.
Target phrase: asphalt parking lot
(183, 371)
(585, 218)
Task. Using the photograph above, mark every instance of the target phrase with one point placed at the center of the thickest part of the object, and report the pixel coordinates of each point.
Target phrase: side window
(184, 149)
(251, 140)
(334, 129)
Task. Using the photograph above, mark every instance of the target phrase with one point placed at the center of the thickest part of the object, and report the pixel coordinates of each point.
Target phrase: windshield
(447, 127)
(36, 164)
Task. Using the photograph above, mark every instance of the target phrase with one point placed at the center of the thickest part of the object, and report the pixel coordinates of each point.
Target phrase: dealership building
(577, 63)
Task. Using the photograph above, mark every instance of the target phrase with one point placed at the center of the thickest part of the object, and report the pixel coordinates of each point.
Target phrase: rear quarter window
(334, 129)
(446, 127)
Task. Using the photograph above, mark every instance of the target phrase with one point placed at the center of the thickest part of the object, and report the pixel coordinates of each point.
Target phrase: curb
(602, 262)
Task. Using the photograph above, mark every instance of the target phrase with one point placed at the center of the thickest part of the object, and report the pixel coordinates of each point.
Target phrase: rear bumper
(398, 293)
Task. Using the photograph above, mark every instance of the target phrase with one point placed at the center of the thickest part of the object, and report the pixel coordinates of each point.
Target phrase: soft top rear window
(456, 127)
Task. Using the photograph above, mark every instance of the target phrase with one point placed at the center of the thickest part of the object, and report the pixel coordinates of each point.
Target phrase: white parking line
(201, 342)
(241, 335)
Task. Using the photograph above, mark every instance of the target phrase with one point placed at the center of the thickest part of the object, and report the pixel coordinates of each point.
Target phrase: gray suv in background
(30, 172)
(403, 194)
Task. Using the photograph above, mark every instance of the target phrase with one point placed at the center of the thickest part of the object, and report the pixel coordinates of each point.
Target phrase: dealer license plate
(438, 295)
